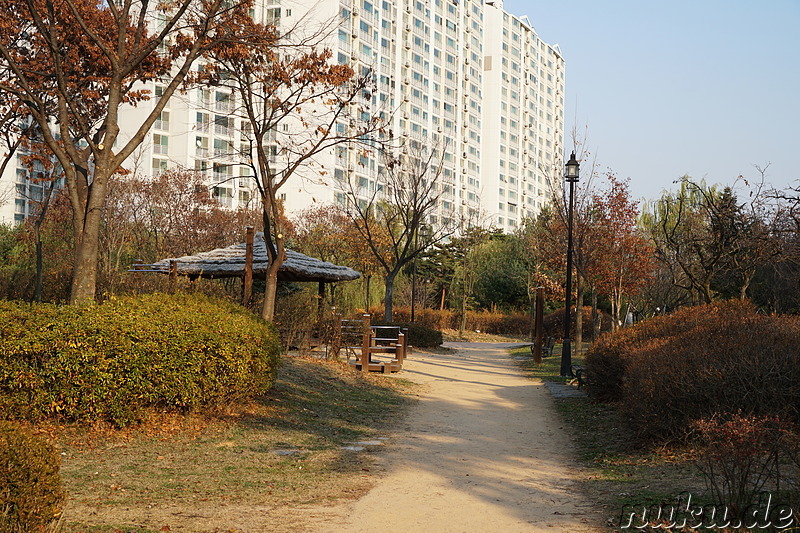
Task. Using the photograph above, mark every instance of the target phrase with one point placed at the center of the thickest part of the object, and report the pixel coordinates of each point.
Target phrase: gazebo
(250, 259)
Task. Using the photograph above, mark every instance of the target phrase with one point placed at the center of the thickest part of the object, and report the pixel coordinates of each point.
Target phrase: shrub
(419, 336)
(715, 359)
(485, 321)
(739, 457)
(31, 495)
(110, 361)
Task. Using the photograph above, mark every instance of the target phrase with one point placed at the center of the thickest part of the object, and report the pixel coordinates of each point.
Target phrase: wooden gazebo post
(247, 281)
(320, 303)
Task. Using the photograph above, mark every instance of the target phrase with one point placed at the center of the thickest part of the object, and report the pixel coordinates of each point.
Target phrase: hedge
(699, 362)
(419, 336)
(31, 494)
(111, 361)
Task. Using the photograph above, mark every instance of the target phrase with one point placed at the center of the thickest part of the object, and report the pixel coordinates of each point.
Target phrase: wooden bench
(395, 348)
(366, 343)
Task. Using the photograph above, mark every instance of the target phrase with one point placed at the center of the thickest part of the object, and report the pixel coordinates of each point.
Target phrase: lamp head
(573, 169)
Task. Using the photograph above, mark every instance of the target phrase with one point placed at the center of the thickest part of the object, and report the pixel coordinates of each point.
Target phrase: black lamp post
(571, 176)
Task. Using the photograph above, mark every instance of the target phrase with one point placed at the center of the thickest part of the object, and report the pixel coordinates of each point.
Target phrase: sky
(664, 89)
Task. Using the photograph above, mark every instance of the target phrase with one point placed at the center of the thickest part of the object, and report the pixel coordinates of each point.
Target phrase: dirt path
(483, 451)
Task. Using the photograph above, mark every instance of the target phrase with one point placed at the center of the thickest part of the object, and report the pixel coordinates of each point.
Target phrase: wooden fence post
(539, 325)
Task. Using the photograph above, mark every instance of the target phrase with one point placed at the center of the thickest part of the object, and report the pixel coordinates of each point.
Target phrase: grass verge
(618, 472)
(236, 470)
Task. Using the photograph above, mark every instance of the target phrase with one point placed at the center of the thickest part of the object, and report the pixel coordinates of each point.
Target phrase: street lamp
(571, 176)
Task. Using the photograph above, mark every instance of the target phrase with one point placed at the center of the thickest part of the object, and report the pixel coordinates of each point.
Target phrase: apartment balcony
(223, 106)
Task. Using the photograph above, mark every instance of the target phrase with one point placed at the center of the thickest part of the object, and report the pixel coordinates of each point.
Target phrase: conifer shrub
(111, 361)
(31, 494)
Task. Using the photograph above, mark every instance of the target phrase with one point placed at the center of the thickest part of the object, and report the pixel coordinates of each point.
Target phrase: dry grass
(177, 472)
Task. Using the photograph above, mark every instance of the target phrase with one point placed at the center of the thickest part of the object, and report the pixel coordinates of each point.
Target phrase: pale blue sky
(705, 88)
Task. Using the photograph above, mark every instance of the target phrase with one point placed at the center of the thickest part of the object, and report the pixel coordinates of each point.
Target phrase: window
(160, 144)
(162, 122)
(159, 166)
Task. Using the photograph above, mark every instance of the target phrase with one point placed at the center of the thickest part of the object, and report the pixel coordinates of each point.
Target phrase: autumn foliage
(698, 362)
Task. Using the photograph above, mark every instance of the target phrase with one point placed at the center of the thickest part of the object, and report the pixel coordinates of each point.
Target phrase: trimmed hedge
(698, 362)
(111, 361)
(31, 494)
(419, 336)
(485, 321)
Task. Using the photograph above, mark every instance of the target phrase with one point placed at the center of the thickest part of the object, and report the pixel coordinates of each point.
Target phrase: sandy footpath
(483, 451)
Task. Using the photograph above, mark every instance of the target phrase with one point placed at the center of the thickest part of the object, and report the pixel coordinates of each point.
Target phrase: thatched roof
(229, 262)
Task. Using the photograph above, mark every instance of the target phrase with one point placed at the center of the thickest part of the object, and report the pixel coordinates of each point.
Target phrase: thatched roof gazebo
(231, 262)
(248, 260)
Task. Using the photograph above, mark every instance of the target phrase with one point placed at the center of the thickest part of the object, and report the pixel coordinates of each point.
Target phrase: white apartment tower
(523, 109)
(461, 76)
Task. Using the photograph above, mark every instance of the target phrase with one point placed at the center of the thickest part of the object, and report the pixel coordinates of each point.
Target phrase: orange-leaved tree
(74, 65)
(625, 259)
(392, 216)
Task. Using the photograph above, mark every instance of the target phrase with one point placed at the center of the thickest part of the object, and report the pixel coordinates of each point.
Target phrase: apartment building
(462, 77)
(523, 127)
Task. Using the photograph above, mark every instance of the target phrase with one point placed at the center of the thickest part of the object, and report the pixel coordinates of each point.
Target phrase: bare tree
(390, 216)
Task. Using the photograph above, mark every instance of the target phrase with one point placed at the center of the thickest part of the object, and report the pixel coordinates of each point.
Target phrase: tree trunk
(367, 280)
(597, 319)
(532, 309)
(444, 292)
(276, 258)
(388, 296)
(463, 324)
(84, 274)
(270, 292)
(614, 312)
(747, 278)
(579, 314)
(37, 296)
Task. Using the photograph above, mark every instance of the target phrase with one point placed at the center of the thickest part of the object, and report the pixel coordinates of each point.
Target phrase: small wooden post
(366, 343)
(539, 325)
(400, 354)
(247, 281)
(173, 274)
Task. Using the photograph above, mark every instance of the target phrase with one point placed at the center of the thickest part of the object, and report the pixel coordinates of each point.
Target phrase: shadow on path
(482, 451)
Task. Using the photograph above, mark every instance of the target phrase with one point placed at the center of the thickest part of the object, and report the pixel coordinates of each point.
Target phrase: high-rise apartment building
(460, 76)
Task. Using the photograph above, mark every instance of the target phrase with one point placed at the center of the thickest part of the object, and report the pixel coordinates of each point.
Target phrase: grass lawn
(175, 472)
(619, 472)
